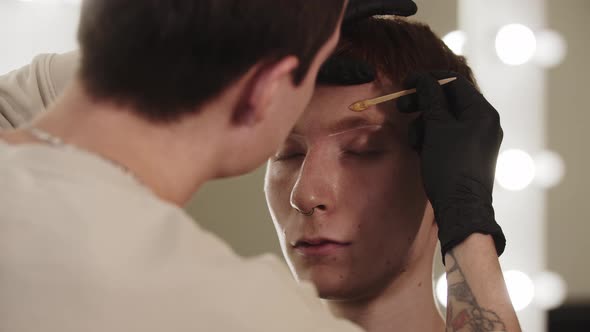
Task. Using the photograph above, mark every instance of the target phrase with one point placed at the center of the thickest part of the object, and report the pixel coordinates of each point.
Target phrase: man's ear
(262, 88)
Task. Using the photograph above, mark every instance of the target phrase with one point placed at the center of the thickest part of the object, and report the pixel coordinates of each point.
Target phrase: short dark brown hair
(167, 57)
(397, 46)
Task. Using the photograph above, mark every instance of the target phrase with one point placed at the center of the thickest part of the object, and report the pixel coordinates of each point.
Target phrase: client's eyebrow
(344, 124)
(350, 122)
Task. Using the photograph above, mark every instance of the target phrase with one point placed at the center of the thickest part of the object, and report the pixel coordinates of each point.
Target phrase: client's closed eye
(364, 153)
(292, 149)
(288, 155)
(364, 147)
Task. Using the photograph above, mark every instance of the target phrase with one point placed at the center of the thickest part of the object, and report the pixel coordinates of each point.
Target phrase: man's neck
(406, 305)
(169, 159)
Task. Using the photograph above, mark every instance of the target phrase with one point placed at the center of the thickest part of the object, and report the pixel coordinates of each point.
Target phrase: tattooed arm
(478, 300)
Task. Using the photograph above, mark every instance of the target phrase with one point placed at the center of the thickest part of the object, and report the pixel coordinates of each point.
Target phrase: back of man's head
(165, 58)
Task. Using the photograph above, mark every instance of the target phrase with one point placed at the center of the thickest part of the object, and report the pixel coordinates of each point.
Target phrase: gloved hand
(346, 71)
(360, 9)
(458, 136)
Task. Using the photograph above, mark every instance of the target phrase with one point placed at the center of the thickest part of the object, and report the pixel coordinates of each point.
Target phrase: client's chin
(341, 287)
(346, 286)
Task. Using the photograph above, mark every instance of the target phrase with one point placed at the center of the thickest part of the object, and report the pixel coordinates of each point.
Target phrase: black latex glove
(458, 136)
(346, 71)
(360, 9)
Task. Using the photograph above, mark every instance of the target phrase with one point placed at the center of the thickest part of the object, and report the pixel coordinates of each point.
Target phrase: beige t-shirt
(97, 251)
(27, 91)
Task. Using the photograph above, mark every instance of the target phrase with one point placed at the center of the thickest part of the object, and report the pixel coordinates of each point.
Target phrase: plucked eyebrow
(351, 122)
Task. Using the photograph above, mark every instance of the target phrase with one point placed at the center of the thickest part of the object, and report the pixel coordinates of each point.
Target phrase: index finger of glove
(361, 9)
(428, 99)
(464, 100)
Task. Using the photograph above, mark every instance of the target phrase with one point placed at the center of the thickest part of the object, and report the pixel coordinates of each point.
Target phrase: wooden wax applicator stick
(362, 105)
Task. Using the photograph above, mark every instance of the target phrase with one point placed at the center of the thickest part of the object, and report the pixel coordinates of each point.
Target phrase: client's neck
(170, 159)
(406, 305)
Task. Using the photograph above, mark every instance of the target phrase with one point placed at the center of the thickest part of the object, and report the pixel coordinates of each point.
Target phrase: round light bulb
(520, 288)
(515, 44)
(441, 290)
(455, 40)
(551, 49)
(550, 290)
(550, 169)
(515, 169)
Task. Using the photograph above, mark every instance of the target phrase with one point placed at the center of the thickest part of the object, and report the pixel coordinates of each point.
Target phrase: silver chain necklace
(55, 141)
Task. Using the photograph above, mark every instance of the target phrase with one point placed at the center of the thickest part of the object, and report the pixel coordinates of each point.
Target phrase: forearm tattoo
(464, 314)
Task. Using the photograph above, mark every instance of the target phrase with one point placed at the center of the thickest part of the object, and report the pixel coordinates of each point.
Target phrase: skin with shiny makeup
(371, 220)
(346, 196)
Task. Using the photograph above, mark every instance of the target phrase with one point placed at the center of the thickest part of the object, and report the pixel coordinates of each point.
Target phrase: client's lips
(319, 247)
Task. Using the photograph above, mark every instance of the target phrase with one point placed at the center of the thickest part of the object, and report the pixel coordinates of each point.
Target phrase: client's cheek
(279, 183)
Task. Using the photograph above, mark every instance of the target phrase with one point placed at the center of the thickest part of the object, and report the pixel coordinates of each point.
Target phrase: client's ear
(262, 89)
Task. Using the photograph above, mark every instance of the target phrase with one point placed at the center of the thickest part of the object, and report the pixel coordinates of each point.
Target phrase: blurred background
(531, 60)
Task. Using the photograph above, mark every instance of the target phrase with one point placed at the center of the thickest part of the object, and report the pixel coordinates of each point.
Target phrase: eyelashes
(361, 148)
(365, 154)
(351, 153)
(289, 156)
